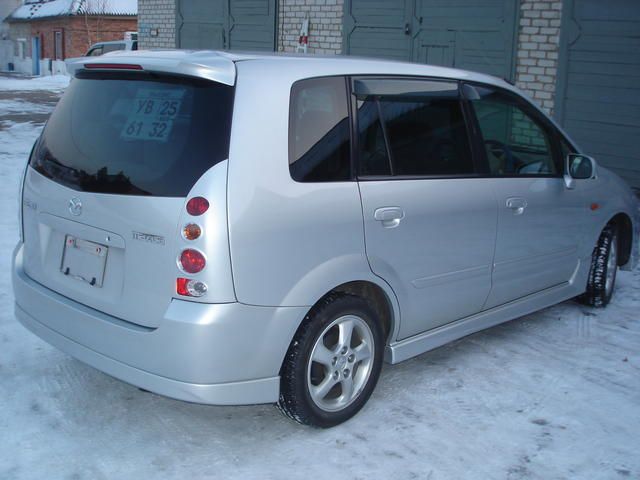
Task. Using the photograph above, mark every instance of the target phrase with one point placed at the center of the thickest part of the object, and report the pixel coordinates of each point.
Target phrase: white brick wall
(537, 50)
(325, 25)
(157, 24)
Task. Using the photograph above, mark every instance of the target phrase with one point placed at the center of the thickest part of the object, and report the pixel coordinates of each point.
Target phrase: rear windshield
(135, 134)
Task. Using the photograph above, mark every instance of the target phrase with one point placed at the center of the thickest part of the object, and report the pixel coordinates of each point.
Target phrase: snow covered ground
(554, 395)
(53, 82)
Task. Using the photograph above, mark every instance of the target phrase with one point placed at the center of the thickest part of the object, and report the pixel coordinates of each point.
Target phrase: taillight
(197, 206)
(189, 287)
(191, 261)
(191, 231)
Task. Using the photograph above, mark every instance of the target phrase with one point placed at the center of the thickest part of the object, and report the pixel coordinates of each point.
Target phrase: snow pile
(53, 83)
(551, 395)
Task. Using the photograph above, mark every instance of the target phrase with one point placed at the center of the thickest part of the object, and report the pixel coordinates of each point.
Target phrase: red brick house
(46, 32)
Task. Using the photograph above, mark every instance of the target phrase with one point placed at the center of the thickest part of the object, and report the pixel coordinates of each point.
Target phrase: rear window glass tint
(319, 131)
(135, 134)
(419, 132)
(427, 137)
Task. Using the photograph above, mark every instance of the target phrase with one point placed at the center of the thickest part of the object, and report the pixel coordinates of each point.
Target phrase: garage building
(578, 59)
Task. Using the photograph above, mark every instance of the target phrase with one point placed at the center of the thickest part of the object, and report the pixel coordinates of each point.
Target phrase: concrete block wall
(21, 31)
(156, 24)
(537, 50)
(325, 25)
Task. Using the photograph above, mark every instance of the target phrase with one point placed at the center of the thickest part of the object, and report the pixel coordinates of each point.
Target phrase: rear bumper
(221, 354)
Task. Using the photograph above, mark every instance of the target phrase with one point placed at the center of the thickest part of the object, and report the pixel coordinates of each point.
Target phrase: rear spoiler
(207, 65)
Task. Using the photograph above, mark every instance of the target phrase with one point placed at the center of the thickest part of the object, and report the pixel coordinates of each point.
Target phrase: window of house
(412, 128)
(319, 131)
(22, 48)
(58, 50)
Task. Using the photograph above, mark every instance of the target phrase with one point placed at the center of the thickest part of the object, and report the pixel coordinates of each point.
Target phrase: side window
(514, 141)
(319, 147)
(112, 47)
(412, 128)
(94, 52)
(374, 158)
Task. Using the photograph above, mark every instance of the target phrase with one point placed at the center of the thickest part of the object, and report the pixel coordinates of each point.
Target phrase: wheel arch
(378, 298)
(623, 223)
(377, 293)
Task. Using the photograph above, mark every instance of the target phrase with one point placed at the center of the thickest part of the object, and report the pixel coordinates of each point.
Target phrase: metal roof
(39, 9)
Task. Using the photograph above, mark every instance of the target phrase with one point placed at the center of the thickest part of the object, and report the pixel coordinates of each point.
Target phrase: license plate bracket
(84, 260)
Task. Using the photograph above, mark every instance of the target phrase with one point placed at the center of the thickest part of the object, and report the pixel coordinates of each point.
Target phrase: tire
(604, 267)
(325, 379)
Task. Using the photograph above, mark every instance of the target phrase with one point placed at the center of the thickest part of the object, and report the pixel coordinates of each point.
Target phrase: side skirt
(410, 347)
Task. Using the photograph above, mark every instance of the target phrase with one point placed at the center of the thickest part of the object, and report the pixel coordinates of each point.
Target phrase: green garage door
(472, 34)
(226, 24)
(598, 97)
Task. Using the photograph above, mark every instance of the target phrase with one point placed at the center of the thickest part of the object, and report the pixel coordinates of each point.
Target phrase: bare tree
(93, 12)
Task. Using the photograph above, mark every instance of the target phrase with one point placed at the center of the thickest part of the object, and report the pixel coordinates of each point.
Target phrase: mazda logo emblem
(75, 206)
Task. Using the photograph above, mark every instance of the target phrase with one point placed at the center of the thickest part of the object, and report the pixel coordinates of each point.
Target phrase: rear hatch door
(105, 193)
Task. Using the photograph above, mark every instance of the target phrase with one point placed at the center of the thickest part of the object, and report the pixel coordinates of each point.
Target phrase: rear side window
(412, 128)
(135, 134)
(319, 131)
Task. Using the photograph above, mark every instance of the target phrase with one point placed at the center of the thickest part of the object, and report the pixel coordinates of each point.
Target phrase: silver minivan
(237, 229)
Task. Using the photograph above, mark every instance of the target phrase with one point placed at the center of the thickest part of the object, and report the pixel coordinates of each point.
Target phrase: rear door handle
(389, 216)
(517, 204)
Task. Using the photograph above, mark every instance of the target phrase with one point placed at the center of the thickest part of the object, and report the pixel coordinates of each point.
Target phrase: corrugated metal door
(377, 28)
(471, 34)
(252, 25)
(226, 24)
(201, 24)
(598, 96)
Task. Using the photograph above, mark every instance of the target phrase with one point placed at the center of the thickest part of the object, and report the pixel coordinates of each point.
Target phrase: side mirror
(578, 167)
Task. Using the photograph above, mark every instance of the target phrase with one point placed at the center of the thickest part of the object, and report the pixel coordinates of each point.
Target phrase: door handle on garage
(389, 216)
(517, 204)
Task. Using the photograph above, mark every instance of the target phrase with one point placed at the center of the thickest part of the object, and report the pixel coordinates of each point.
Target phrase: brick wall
(157, 24)
(79, 33)
(325, 25)
(537, 50)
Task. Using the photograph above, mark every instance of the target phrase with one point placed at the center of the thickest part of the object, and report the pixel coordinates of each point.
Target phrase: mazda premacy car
(239, 229)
